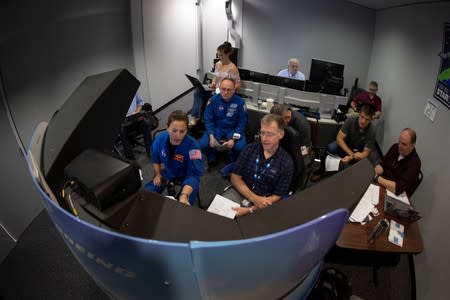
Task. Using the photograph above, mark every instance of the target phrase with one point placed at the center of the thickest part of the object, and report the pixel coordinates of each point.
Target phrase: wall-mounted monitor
(325, 77)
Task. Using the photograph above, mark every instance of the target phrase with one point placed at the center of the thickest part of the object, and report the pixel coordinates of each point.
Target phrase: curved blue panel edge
(267, 266)
(283, 264)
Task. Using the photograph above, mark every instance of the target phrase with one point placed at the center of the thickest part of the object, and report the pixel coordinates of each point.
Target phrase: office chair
(419, 181)
(291, 143)
(135, 127)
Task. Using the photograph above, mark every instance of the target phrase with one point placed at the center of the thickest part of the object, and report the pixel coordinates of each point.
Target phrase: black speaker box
(104, 179)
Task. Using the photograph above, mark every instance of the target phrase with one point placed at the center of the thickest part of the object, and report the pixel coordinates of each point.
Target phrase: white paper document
(332, 163)
(223, 206)
(366, 204)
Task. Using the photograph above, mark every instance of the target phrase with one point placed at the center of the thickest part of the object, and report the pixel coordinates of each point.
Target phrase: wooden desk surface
(354, 235)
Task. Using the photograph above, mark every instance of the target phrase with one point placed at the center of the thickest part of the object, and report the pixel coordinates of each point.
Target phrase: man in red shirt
(368, 97)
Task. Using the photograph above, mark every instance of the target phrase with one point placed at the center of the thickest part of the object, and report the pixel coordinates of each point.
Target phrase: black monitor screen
(259, 77)
(244, 74)
(328, 75)
(286, 82)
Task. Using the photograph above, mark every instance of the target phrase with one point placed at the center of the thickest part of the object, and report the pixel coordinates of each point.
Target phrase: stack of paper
(223, 206)
(366, 204)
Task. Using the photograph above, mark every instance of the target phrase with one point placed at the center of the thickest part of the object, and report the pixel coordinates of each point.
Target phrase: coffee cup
(269, 103)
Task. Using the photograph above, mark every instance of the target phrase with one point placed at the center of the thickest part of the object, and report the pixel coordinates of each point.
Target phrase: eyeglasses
(267, 134)
(373, 90)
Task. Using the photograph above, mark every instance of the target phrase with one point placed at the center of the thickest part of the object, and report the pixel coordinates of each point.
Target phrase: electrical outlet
(430, 111)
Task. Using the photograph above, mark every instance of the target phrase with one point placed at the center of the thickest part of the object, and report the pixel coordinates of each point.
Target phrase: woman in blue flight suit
(181, 156)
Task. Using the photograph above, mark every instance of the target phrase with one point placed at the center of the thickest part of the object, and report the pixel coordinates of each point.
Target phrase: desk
(354, 237)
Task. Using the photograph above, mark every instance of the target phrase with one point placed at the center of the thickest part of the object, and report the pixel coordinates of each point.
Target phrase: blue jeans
(199, 103)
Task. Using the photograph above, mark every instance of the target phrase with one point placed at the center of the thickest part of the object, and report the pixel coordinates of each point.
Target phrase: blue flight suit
(185, 165)
(223, 119)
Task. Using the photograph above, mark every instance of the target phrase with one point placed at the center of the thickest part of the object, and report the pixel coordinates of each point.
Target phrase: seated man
(142, 123)
(369, 98)
(297, 121)
(225, 120)
(263, 171)
(356, 139)
(181, 156)
(399, 169)
(292, 70)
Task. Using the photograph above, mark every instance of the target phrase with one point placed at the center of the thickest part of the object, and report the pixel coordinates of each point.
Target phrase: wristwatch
(376, 178)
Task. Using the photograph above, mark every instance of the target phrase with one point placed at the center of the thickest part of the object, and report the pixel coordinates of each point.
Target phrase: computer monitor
(286, 82)
(326, 77)
(259, 77)
(244, 74)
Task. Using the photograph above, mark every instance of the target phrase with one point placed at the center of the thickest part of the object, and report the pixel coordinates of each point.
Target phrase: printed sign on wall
(442, 90)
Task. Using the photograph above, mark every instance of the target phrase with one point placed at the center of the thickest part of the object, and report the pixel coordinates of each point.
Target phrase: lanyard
(257, 176)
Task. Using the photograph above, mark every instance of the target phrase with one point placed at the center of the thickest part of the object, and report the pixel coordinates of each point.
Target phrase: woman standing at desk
(224, 68)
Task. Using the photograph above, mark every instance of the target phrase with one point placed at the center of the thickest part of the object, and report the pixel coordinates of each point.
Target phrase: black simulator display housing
(326, 77)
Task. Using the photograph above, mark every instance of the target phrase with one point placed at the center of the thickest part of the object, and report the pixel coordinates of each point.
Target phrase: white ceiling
(382, 4)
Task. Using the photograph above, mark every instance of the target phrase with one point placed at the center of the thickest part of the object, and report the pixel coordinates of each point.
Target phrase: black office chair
(419, 181)
(135, 127)
(291, 143)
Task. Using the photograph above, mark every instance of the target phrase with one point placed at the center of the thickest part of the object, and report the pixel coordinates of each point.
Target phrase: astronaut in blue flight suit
(225, 121)
(181, 156)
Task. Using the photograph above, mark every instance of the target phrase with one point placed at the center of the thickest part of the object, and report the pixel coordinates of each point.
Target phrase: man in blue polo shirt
(263, 171)
(225, 120)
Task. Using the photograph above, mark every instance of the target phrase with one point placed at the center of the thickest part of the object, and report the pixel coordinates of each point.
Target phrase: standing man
(399, 169)
(263, 171)
(225, 121)
(292, 70)
(368, 97)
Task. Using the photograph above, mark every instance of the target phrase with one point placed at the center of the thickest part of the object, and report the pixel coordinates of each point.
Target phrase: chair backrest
(419, 181)
(291, 143)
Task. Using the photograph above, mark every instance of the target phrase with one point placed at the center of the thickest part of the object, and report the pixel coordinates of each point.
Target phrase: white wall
(337, 31)
(170, 41)
(406, 64)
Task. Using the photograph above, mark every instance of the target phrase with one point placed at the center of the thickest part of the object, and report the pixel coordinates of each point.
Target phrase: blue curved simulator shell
(274, 253)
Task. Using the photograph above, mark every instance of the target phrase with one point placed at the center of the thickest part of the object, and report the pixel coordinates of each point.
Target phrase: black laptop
(196, 83)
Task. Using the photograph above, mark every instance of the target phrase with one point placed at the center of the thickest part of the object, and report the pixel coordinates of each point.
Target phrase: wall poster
(442, 90)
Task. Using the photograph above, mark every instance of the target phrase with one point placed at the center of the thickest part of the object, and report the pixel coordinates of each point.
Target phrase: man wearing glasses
(368, 97)
(263, 171)
(225, 120)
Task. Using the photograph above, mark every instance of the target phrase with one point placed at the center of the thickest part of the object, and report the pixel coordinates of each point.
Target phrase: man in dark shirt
(399, 169)
(297, 121)
(356, 139)
(368, 97)
(263, 171)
